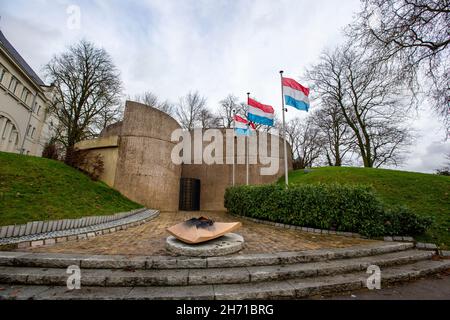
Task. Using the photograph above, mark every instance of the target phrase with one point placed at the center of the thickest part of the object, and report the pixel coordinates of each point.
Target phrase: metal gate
(189, 194)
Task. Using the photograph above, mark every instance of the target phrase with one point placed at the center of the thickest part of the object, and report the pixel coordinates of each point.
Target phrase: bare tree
(150, 99)
(336, 133)
(227, 105)
(208, 119)
(88, 83)
(106, 117)
(371, 101)
(305, 140)
(189, 110)
(414, 36)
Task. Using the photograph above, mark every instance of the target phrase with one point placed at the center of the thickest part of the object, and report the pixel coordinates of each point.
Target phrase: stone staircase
(290, 275)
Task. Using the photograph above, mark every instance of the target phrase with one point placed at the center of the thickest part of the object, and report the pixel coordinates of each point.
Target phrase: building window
(38, 109)
(29, 130)
(12, 84)
(32, 133)
(2, 73)
(25, 94)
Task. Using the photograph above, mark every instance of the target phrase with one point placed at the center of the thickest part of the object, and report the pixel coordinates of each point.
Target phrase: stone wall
(137, 156)
(107, 148)
(145, 172)
(216, 178)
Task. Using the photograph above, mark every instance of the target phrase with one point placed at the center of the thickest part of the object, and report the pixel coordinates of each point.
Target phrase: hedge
(325, 206)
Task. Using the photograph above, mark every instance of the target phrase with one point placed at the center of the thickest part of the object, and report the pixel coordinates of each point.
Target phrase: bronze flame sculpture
(197, 230)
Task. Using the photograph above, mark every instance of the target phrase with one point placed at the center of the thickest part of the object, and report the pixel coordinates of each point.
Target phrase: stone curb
(50, 238)
(56, 260)
(184, 277)
(304, 229)
(425, 246)
(286, 289)
(37, 227)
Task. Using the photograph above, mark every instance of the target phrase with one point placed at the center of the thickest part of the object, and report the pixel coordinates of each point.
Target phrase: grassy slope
(34, 188)
(426, 194)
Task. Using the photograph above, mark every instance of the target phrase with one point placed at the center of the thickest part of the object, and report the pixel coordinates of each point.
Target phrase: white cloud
(216, 47)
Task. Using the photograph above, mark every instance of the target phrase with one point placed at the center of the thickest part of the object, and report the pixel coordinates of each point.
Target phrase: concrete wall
(217, 177)
(145, 172)
(108, 149)
(137, 156)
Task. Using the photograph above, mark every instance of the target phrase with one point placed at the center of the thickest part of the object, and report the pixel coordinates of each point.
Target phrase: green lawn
(426, 194)
(34, 188)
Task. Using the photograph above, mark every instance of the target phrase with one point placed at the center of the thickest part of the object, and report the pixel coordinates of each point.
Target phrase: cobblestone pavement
(149, 238)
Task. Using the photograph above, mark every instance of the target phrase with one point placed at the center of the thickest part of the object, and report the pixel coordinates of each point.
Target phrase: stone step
(184, 277)
(53, 260)
(295, 288)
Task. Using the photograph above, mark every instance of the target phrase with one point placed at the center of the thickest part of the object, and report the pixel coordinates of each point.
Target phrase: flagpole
(234, 128)
(284, 134)
(246, 137)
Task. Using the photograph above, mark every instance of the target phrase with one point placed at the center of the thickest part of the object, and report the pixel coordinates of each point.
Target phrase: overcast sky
(216, 47)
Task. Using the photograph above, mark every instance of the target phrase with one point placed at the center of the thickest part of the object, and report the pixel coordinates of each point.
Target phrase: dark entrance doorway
(189, 194)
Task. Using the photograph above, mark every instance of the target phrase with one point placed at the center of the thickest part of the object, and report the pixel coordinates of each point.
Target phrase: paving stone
(113, 262)
(45, 226)
(7, 258)
(84, 293)
(147, 278)
(190, 263)
(40, 225)
(48, 260)
(3, 231)
(28, 228)
(211, 276)
(24, 245)
(82, 236)
(37, 243)
(388, 239)
(445, 253)
(280, 272)
(15, 231)
(397, 238)
(314, 286)
(409, 239)
(50, 241)
(161, 262)
(17, 292)
(34, 227)
(61, 239)
(279, 289)
(243, 260)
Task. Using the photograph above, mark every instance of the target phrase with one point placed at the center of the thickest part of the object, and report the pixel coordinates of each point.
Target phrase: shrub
(89, 163)
(50, 150)
(325, 206)
(401, 221)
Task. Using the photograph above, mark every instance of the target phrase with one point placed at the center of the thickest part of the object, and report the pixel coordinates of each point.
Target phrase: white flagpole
(246, 137)
(234, 132)
(284, 134)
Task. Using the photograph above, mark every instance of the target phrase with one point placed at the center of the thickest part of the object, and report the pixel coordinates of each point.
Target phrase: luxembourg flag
(295, 94)
(260, 113)
(242, 126)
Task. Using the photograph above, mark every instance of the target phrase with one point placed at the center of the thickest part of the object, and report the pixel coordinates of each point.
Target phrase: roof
(8, 47)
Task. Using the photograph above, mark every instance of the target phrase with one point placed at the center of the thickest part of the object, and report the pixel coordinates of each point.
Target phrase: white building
(25, 121)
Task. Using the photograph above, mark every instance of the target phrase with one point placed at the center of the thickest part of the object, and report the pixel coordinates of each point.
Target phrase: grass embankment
(33, 188)
(425, 194)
